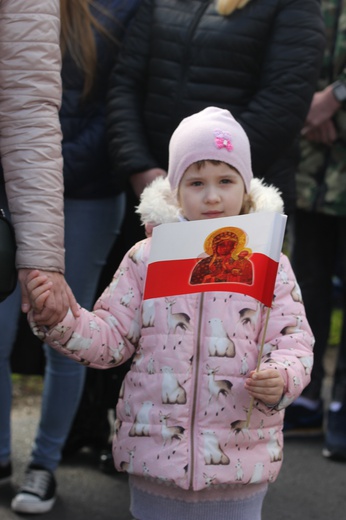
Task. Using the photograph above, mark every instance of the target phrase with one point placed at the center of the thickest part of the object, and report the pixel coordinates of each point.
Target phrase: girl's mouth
(213, 214)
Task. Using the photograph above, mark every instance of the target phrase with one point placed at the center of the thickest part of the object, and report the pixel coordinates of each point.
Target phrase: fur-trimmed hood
(158, 205)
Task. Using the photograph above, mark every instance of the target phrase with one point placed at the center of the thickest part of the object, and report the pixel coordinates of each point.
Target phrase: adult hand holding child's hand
(50, 297)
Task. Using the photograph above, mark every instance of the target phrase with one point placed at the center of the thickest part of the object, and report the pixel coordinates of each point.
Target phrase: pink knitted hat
(212, 134)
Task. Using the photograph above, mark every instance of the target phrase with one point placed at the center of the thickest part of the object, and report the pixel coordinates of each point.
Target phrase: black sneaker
(37, 494)
(335, 441)
(5, 474)
(300, 421)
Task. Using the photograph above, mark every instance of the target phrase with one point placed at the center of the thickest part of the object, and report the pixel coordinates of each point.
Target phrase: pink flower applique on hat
(223, 140)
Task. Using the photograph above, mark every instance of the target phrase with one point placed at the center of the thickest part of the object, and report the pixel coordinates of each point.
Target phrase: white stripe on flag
(265, 232)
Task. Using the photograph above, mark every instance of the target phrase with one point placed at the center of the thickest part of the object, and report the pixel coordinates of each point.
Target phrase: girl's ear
(248, 204)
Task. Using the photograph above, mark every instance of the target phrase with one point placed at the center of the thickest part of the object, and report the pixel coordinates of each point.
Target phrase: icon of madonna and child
(225, 258)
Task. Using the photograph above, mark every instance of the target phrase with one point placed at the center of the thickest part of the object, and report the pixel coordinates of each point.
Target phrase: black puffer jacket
(261, 62)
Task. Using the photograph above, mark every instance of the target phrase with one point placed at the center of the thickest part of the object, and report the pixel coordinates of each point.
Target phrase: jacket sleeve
(129, 151)
(289, 336)
(109, 335)
(30, 135)
(288, 81)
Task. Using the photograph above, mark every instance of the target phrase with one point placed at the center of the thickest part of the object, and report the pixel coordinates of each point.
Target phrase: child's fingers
(40, 301)
(263, 378)
(266, 385)
(36, 282)
(36, 294)
(272, 395)
(32, 274)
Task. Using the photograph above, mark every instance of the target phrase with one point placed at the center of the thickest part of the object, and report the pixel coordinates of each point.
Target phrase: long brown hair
(226, 7)
(76, 36)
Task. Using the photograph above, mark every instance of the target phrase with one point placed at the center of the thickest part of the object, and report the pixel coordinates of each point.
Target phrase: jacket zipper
(195, 388)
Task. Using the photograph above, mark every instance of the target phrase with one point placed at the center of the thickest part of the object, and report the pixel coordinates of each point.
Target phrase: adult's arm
(128, 146)
(291, 67)
(30, 142)
(30, 134)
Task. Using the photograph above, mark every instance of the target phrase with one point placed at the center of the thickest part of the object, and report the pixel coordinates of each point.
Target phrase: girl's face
(211, 191)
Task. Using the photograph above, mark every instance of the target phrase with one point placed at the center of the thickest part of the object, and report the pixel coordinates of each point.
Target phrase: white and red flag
(234, 254)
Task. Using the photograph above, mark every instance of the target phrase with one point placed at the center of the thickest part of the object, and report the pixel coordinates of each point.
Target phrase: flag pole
(259, 359)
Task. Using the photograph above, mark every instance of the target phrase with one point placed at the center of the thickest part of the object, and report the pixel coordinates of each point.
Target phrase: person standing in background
(93, 208)
(260, 59)
(319, 246)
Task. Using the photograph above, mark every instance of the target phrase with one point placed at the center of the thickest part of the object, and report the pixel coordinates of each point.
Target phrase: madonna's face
(225, 247)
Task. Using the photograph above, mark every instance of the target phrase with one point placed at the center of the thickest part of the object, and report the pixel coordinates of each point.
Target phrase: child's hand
(38, 287)
(266, 385)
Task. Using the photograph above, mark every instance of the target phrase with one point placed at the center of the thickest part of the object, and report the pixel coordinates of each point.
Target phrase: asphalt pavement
(309, 486)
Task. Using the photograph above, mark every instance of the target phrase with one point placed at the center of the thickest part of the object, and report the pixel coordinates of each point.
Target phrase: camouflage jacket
(321, 177)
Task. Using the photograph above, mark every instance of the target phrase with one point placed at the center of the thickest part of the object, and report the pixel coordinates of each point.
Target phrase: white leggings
(145, 506)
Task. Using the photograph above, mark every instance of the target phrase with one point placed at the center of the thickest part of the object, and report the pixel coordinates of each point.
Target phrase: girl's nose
(211, 195)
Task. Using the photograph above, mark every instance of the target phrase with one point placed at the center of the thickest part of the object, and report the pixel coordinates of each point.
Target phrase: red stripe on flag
(171, 278)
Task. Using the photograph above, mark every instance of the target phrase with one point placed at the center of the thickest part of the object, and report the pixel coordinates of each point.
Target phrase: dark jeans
(319, 252)
(91, 425)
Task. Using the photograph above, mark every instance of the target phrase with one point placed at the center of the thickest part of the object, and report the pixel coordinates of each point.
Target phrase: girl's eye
(226, 181)
(196, 183)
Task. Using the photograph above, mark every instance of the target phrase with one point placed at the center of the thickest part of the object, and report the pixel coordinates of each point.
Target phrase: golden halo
(233, 232)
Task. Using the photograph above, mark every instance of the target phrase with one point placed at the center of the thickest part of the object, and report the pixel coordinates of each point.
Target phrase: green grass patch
(335, 327)
(27, 385)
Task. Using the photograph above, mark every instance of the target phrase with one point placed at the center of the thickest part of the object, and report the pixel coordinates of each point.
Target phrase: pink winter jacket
(30, 135)
(181, 415)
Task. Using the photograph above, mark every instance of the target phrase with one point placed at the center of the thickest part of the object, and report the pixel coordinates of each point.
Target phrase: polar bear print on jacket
(213, 453)
(172, 392)
(140, 427)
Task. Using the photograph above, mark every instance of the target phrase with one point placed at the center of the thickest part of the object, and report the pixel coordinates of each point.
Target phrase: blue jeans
(91, 227)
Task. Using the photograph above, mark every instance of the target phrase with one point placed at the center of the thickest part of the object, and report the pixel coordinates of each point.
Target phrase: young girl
(181, 431)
